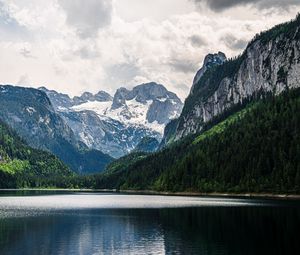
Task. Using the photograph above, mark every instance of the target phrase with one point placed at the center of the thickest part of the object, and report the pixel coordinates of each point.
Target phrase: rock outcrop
(270, 64)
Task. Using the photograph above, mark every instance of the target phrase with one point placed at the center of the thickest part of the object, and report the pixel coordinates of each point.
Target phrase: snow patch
(30, 110)
(133, 113)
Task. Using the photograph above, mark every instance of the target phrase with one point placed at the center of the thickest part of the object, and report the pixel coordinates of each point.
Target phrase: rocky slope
(270, 63)
(31, 114)
(115, 125)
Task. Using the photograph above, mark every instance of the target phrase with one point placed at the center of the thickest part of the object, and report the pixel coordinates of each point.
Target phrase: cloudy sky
(90, 45)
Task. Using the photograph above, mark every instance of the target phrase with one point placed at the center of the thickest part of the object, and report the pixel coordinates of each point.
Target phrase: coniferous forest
(251, 148)
(254, 150)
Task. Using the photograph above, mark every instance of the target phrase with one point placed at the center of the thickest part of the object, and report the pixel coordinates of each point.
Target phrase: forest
(256, 149)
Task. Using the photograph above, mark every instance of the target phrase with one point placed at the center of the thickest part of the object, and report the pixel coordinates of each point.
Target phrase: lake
(105, 223)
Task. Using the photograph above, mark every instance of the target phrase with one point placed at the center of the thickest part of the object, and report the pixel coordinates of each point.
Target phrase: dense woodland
(254, 150)
(23, 166)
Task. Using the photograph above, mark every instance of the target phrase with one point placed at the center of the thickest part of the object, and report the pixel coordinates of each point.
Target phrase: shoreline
(166, 193)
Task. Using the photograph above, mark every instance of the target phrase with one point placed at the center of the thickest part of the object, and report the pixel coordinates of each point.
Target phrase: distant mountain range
(116, 125)
(30, 113)
(87, 131)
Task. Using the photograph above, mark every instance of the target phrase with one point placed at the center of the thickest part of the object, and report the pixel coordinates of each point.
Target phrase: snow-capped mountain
(30, 113)
(116, 125)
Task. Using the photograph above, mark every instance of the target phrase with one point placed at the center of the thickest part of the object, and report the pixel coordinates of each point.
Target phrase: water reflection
(198, 230)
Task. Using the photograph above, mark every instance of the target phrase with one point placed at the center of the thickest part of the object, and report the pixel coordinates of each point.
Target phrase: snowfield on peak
(116, 125)
(133, 113)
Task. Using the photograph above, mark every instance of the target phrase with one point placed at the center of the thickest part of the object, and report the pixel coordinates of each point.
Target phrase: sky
(74, 46)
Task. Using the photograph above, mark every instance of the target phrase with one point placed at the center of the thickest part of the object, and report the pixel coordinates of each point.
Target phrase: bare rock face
(117, 125)
(210, 61)
(270, 63)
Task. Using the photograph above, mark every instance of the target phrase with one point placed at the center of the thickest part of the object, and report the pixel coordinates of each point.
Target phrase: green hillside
(23, 166)
(256, 149)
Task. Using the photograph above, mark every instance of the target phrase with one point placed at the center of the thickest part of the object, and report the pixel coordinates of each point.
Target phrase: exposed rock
(30, 112)
(210, 61)
(270, 64)
(116, 126)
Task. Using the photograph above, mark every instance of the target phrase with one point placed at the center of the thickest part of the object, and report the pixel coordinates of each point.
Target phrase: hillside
(23, 166)
(30, 113)
(255, 150)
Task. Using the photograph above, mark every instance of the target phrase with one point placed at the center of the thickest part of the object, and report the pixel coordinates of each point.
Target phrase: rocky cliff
(270, 63)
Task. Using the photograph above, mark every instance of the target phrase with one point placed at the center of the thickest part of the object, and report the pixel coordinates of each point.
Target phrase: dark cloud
(87, 17)
(197, 41)
(221, 5)
(234, 43)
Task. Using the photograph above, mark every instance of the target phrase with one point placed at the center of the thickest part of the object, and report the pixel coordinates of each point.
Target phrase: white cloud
(87, 16)
(99, 45)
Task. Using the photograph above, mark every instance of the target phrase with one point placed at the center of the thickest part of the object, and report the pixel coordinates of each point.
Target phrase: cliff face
(210, 61)
(270, 63)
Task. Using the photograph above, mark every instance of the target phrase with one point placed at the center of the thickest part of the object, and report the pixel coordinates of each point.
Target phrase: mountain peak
(143, 93)
(210, 60)
(213, 59)
(101, 96)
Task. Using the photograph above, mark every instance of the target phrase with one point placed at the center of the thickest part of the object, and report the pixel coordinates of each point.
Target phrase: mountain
(239, 128)
(210, 61)
(30, 112)
(61, 101)
(255, 149)
(270, 63)
(23, 166)
(116, 125)
(147, 144)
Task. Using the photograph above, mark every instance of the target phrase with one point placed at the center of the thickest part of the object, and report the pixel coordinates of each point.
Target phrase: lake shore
(152, 192)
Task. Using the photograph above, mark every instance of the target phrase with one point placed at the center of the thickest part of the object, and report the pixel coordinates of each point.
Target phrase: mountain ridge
(30, 112)
(116, 125)
(270, 63)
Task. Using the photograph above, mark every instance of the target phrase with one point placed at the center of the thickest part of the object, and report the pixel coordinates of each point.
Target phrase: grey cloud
(26, 53)
(23, 80)
(182, 65)
(234, 43)
(183, 87)
(87, 53)
(124, 72)
(87, 17)
(221, 5)
(9, 27)
(197, 41)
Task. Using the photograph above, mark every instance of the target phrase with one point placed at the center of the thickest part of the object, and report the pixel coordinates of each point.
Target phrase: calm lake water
(103, 223)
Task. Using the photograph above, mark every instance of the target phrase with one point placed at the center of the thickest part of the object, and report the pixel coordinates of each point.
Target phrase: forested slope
(256, 149)
(23, 166)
